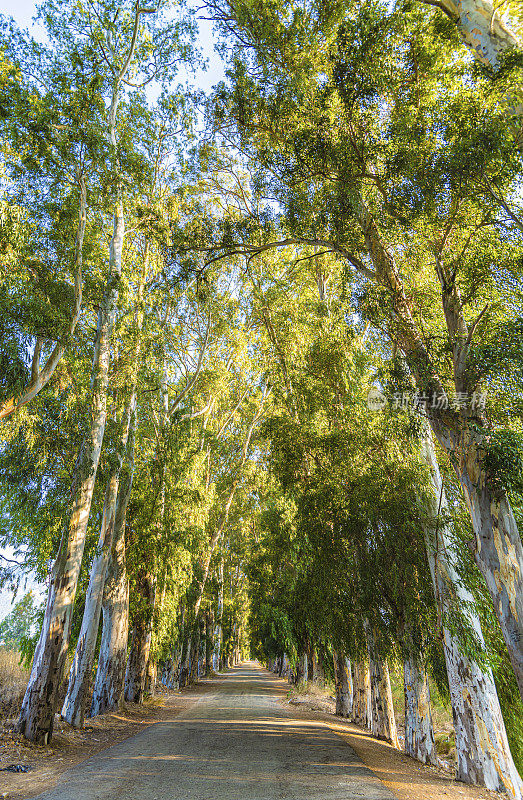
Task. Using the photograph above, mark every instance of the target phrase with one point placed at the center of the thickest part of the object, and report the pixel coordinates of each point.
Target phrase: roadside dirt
(69, 746)
(404, 776)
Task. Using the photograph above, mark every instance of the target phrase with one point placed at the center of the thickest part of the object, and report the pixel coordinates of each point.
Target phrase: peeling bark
(480, 27)
(218, 633)
(361, 707)
(498, 548)
(110, 673)
(41, 697)
(383, 723)
(208, 643)
(81, 669)
(419, 732)
(483, 752)
(343, 683)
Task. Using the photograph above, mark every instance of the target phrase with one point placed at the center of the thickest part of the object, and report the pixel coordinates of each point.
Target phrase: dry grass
(13, 680)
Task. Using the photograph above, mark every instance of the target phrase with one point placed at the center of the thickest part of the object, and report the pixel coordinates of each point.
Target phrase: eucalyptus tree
(118, 46)
(158, 134)
(343, 140)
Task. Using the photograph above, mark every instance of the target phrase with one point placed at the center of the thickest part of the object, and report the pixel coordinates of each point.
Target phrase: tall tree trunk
(218, 633)
(361, 706)
(419, 732)
(301, 671)
(41, 696)
(383, 723)
(498, 549)
(81, 669)
(110, 672)
(172, 667)
(480, 27)
(195, 650)
(184, 659)
(150, 678)
(224, 516)
(310, 662)
(136, 672)
(208, 642)
(318, 666)
(343, 684)
(483, 753)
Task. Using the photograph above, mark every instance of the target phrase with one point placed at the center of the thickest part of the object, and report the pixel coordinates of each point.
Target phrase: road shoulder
(70, 747)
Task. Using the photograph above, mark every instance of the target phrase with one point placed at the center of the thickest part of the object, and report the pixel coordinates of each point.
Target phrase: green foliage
(504, 460)
(18, 625)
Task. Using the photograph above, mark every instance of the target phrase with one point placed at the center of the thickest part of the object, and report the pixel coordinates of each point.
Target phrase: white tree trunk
(343, 683)
(81, 669)
(383, 723)
(110, 673)
(41, 697)
(419, 732)
(361, 706)
(498, 553)
(483, 752)
(480, 27)
(218, 634)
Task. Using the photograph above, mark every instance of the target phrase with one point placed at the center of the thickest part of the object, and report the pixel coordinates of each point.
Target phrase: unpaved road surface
(234, 744)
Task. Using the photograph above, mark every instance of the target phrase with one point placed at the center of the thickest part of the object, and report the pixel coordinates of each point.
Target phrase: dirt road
(233, 744)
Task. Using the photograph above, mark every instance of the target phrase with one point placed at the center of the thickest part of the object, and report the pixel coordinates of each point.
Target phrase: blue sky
(23, 11)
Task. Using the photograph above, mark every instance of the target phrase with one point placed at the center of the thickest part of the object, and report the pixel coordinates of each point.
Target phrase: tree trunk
(41, 696)
(498, 548)
(81, 669)
(361, 707)
(383, 723)
(195, 651)
(419, 733)
(318, 667)
(208, 643)
(480, 27)
(498, 552)
(138, 661)
(218, 633)
(217, 533)
(150, 678)
(110, 672)
(483, 753)
(184, 660)
(171, 674)
(301, 669)
(284, 666)
(310, 662)
(343, 683)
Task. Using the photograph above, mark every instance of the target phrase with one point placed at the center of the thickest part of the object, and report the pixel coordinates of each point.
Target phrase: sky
(23, 11)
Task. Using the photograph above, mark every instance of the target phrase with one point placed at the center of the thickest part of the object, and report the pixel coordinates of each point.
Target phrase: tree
(18, 624)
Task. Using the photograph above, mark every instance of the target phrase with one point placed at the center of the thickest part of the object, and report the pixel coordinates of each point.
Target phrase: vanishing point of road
(235, 743)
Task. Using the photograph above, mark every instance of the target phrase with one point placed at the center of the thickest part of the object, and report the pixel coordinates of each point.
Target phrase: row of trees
(262, 356)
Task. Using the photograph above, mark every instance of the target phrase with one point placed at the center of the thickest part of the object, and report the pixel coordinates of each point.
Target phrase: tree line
(261, 361)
